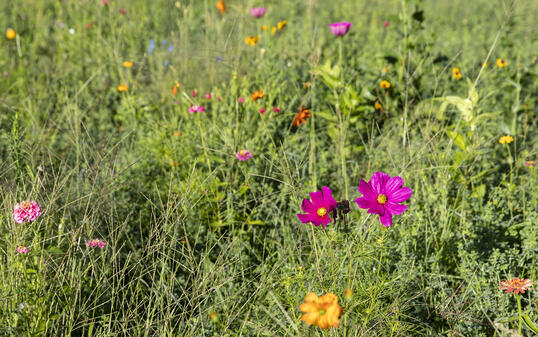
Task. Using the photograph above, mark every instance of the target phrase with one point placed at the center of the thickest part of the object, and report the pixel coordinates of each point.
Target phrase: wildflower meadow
(268, 168)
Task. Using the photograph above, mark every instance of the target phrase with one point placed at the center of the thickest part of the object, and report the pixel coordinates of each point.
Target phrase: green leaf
(529, 323)
(458, 139)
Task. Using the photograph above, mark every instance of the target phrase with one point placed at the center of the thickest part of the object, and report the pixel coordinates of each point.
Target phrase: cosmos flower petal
(308, 207)
(393, 184)
(325, 220)
(378, 181)
(376, 209)
(400, 195)
(386, 220)
(328, 197)
(365, 202)
(395, 209)
(317, 197)
(366, 190)
(310, 317)
(306, 218)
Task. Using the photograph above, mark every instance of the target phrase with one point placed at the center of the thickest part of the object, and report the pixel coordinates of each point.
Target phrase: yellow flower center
(322, 312)
(243, 152)
(381, 198)
(322, 211)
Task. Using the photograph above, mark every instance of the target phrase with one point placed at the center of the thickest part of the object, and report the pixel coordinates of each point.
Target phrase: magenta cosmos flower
(317, 210)
(382, 196)
(258, 12)
(26, 211)
(196, 108)
(340, 28)
(241, 99)
(243, 155)
(95, 243)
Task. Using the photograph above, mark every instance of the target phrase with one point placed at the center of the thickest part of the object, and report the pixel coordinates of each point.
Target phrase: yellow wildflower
(456, 73)
(282, 24)
(384, 84)
(10, 34)
(122, 87)
(264, 27)
(252, 40)
(127, 64)
(221, 6)
(273, 30)
(501, 63)
(506, 139)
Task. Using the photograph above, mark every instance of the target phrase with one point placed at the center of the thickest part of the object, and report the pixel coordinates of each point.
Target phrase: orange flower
(322, 311)
(10, 34)
(178, 134)
(122, 87)
(174, 89)
(301, 117)
(221, 6)
(384, 84)
(127, 64)
(516, 285)
(256, 95)
(378, 106)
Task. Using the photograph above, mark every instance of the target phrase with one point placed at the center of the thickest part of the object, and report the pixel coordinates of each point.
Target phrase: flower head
(322, 311)
(256, 95)
(275, 109)
(378, 106)
(241, 99)
(221, 6)
(317, 210)
(194, 93)
(243, 155)
(265, 27)
(123, 11)
(386, 24)
(95, 243)
(273, 30)
(301, 116)
(501, 63)
(10, 34)
(382, 195)
(26, 211)
(22, 250)
(340, 28)
(281, 24)
(208, 95)
(252, 40)
(384, 84)
(122, 87)
(506, 139)
(530, 163)
(127, 64)
(516, 285)
(456, 73)
(263, 110)
(196, 108)
(258, 12)
(151, 46)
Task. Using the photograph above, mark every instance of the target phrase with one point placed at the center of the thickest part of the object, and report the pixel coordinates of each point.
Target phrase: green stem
(519, 311)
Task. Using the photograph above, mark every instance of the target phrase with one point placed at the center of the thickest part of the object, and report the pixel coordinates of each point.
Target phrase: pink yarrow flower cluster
(95, 243)
(382, 195)
(340, 28)
(317, 211)
(196, 108)
(243, 155)
(258, 12)
(26, 211)
(22, 250)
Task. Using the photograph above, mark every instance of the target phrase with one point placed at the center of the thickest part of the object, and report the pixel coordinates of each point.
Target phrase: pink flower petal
(395, 209)
(400, 195)
(317, 198)
(308, 207)
(386, 220)
(366, 190)
(393, 184)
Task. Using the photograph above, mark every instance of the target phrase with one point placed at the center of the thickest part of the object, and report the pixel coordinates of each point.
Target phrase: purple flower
(318, 210)
(340, 28)
(196, 108)
(382, 196)
(258, 12)
(244, 155)
(22, 250)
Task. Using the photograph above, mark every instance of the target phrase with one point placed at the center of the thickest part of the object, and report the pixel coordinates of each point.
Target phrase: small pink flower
(262, 111)
(196, 108)
(122, 11)
(340, 28)
(258, 12)
(241, 99)
(105, 2)
(208, 96)
(530, 163)
(95, 243)
(26, 211)
(386, 24)
(194, 93)
(318, 210)
(22, 250)
(275, 109)
(244, 155)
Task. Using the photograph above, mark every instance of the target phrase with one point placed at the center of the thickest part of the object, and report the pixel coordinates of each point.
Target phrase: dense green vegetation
(199, 243)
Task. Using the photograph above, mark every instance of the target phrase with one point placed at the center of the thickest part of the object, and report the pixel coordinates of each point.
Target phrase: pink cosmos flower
(196, 108)
(105, 2)
(340, 28)
(382, 196)
(386, 24)
(241, 100)
(258, 12)
(275, 109)
(194, 93)
(26, 211)
(262, 111)
(318, 210)
(22, 250)
(244, 155)
(95, 243)
(208, 96)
